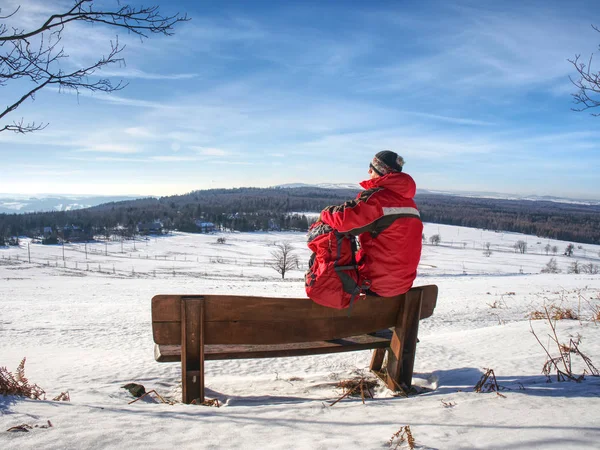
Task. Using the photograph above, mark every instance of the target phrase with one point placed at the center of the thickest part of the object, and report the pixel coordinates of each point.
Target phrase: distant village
(75, 233)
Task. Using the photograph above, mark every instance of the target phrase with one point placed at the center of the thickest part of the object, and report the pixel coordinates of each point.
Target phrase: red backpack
(332, 278)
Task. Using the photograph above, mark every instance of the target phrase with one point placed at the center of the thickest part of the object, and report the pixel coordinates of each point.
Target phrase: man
(388, 224)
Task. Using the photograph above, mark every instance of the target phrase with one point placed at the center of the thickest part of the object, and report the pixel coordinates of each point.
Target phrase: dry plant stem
(352, 386)
(593, 371)
(147, 393)
(555, 339)
(402, 435)
(343, 396)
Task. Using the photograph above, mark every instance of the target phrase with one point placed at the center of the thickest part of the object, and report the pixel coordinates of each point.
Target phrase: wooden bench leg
(377, 359)
(192, 349)
(401, 354)
(410, 338)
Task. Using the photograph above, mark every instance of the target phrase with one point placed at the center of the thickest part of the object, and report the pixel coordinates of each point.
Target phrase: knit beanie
(386, 162)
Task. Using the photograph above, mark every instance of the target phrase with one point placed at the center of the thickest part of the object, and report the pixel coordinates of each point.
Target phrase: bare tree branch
(21, 58)
(587, 84)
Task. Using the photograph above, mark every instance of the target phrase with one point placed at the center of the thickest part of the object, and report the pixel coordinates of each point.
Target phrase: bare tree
(521, 246)
(587, 84)
(591, 268)
(551, 267)
(487, 252)
(435, 239)
(574, 267)
(284, 259)
(31, 60)
(569, 250)
(548, 247)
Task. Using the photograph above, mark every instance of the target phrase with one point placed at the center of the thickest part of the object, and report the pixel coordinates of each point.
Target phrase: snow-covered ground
(83, 322)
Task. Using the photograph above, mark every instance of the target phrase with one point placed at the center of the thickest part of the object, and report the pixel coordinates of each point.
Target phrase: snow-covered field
(83, 322)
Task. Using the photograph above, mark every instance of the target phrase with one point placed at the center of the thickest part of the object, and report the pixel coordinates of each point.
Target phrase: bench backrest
(231, 319)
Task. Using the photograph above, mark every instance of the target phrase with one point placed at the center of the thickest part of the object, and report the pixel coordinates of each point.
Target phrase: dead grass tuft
(562, 364)
(555, 313)
(448, 404)
(62, 397)
(403, 435)
(24, 427)
(359, 386)
(156, 394)
(488, 383)
(17, 384)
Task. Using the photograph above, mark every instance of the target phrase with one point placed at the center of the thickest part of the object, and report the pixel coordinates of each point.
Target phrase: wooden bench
(213, 327)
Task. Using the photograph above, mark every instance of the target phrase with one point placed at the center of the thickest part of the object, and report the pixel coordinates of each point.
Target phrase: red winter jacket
(389, 229)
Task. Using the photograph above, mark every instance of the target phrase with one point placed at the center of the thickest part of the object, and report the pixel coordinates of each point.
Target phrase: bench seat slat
(165, 308)
(236, 320)
(270, 333)
(381, 339)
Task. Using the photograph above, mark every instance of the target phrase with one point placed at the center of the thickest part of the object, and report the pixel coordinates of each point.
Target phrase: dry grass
(555, 313)
(448, 404)
(26, 427)
(17, 384)
(562, 364)
(488, 383)
(156, 395)
(359, 386)
(62, 397)
(403, 435)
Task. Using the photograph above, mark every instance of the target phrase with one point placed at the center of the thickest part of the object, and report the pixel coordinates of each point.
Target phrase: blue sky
(474, 95)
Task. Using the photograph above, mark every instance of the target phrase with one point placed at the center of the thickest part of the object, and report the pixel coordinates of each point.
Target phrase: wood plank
(413, 312)
(377, 359)
(234, 308)
(165, 308)
(428, 304)
(269, 333)
(396, 349)
(271, 329)
(172, 353)
(192, 349)
(167, 333)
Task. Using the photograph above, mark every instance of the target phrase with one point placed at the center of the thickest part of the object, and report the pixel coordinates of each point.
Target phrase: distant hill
(18, 204)
(291, 208)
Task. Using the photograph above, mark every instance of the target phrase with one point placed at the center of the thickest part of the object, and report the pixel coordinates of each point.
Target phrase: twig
(148, 393)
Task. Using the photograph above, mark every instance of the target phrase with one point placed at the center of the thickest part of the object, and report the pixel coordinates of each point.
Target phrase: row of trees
(252, 209)
(575, 267)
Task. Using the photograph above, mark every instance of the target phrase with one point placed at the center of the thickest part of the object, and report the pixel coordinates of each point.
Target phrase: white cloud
(128, 72)
(140, 132)
(110, 148)
(173, 158)
(207, 151)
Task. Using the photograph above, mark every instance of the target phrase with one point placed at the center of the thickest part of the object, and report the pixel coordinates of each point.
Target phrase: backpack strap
(348, 283)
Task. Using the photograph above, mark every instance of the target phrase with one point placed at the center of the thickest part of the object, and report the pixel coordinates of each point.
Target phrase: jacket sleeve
(353, 216)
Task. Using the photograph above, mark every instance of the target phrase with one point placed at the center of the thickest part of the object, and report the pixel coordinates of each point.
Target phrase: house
(155, 227)
(74, 233)
(205, 227)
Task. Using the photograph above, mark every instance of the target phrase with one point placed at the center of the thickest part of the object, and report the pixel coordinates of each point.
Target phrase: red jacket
(389, 229)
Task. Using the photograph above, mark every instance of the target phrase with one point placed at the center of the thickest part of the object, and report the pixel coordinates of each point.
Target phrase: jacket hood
(399, 182)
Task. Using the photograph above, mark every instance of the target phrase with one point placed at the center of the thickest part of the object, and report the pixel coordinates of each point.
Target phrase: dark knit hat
(386, 162)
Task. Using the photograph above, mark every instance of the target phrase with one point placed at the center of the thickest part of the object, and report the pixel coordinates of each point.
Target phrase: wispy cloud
(109, 148)
(207, 151)
(127, 72)
(173, 158)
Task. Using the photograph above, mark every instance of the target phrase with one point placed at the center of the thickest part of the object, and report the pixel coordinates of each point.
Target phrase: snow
(84, 325)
